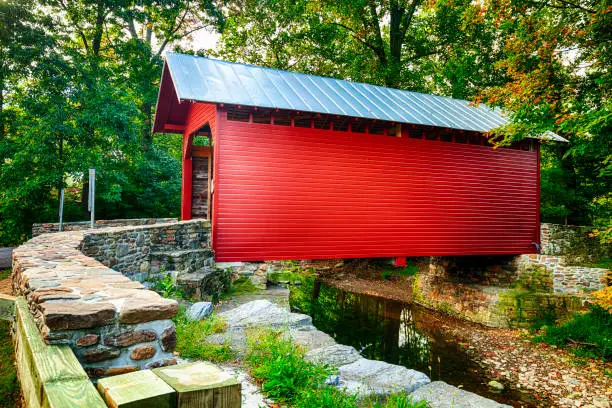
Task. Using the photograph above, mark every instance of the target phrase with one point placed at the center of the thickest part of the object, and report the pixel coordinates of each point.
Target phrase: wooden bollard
(137, 389)
(202, 385)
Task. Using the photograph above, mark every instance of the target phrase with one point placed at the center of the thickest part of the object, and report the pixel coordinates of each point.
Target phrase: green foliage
(240, 286)
(280, 366)
(191, 338)
(409, 270)
(9, 385)
(288, 378)
(168, 288)
(588, 334)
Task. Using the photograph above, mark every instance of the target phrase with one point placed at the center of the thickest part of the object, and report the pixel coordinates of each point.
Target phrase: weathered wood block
(202, 385)
(140, 389)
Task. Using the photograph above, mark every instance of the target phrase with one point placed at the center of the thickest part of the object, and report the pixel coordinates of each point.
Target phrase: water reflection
(395, 332)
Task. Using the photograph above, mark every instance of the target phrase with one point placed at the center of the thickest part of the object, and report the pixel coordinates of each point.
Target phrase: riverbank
(553, 376)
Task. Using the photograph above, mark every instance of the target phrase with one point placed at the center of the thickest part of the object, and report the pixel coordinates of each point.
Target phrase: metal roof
(208, 80)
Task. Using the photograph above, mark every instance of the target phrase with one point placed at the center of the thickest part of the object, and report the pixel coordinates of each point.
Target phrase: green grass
(605, 263)
(191, 337)
(9, 386)
(409, 270)
(288, 378)
(4, 273)
(240, 286)
(586, 335)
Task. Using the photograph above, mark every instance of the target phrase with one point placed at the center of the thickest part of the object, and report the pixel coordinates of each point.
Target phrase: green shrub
(588, 334)
(191, 338)
(325, 397)
(168, 288)
(286, 377)
(280, 366)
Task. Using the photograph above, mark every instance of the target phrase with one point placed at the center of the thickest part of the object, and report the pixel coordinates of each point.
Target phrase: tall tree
(558, 61)
(444, 46)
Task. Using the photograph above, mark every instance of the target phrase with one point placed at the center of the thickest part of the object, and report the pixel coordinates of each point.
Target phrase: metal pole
(92, 195)
(61, 210)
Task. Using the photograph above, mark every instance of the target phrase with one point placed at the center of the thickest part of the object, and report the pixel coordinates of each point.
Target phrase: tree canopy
(79, 81)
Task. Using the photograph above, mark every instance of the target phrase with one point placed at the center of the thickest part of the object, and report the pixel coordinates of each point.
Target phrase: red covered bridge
(296, 166)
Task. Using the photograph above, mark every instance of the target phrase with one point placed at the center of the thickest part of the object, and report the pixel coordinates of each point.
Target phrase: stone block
(199, 311)
(334, 356)
(130, 338)
(143, 352)
(145, 310)
(168, 339)
(439, 394)
(77, 315)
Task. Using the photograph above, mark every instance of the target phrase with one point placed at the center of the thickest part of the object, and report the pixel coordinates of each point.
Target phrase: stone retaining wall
(45, 228)
(129, 250)
(574, 243)
(568, 279)
(112, 323)
(527, 297)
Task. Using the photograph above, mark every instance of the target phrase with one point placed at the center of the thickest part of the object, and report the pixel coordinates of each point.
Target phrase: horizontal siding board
(300, 193)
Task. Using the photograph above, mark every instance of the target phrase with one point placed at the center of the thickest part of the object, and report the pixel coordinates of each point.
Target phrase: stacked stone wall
(524, 293)
(111, 322)
(129, 250)
(575, 244)
(45, 228)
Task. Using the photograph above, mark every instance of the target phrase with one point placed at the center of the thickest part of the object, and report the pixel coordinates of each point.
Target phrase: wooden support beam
(171, 127)
(7, 307)
(399, 261)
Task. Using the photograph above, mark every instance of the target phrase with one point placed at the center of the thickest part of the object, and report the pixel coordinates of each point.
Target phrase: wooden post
(202, 385)
(137, 389)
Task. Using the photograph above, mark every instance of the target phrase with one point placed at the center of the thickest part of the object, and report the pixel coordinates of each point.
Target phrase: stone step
(205, 282)
(181, 261)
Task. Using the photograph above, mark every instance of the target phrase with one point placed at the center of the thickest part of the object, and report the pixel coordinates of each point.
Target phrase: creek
(398, 333)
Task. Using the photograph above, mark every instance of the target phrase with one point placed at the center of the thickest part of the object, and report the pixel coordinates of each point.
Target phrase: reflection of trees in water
(414, 346)
(391, 331)
(380, 329)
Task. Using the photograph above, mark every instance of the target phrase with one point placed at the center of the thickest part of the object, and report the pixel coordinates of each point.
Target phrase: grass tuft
(191, 339)
(586, 335)
(9, 386)
(288, 378)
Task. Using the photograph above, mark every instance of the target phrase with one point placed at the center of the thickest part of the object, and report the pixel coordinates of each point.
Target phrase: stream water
(398, 333)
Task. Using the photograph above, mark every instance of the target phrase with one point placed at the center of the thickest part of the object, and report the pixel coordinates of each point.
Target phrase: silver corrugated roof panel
(208, 80)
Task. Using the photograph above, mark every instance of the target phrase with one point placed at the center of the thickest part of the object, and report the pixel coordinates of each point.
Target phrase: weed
(325, 397)
(168, 288)
(191, 338)
(240, 286)
(586, 335)
(9, 386)
(280, 366)
(287, 377)
(398, 400)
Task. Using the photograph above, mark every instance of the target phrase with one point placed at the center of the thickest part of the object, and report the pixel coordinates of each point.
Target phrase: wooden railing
(50, 376)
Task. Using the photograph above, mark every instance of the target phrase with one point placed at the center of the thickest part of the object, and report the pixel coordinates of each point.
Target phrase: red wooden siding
(199, 115)
(299, 193)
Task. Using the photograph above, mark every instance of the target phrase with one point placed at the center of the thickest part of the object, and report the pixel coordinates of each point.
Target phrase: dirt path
(548, 373)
